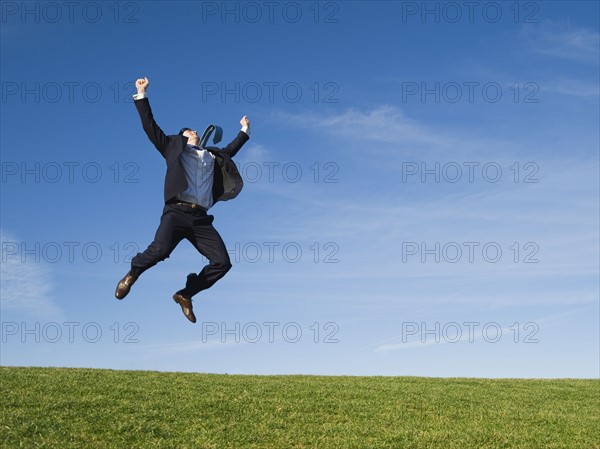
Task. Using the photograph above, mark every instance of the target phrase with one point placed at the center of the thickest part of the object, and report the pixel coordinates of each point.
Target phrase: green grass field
(88, 408)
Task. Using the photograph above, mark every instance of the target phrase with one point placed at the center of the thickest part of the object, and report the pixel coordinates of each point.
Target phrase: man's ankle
(186, 294)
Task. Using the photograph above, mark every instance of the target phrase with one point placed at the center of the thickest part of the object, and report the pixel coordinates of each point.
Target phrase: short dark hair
(183, 130)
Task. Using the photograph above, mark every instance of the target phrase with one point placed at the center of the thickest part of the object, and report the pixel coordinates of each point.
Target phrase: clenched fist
(244, 121)
(142, 84)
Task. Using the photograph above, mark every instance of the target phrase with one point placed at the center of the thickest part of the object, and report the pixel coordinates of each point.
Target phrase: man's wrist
(139, 96)
(246, 129)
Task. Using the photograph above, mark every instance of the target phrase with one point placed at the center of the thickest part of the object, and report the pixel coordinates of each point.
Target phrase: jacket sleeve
(236, 144)
(152, 130)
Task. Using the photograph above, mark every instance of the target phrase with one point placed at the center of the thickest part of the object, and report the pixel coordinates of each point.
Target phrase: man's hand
(142, 84)
(244, 121)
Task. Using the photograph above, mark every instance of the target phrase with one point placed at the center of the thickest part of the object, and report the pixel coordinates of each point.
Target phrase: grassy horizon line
(294, 374)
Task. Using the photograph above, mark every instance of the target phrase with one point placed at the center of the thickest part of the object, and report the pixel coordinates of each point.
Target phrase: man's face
(190, 134)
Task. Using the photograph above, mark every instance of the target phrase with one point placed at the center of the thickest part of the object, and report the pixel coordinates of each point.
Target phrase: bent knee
(223, 266)
(158, 252)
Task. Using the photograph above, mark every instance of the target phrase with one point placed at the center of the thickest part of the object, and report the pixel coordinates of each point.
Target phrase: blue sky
(421, 194)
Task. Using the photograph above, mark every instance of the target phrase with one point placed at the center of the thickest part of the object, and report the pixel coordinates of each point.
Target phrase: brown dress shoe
(186, 306)
(124, 286)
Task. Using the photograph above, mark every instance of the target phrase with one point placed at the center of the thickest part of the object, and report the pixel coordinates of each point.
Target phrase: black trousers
(180, 222)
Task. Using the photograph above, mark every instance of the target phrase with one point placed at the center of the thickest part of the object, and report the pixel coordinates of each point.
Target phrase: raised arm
(153, 131)
(242, 137)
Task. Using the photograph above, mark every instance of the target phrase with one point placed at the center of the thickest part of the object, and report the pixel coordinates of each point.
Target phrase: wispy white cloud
(559, 213)
(572, 87)
(25, 286)
(562, 40)
(386, 130)
(254, 153)
(391, 344)
(381, 124)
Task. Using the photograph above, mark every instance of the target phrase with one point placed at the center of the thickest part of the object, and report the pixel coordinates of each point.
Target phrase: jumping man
(196, 179)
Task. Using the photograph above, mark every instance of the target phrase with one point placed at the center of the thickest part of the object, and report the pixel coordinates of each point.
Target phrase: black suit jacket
(227, 182)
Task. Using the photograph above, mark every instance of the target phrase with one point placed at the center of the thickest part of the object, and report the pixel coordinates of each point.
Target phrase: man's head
(192, 135)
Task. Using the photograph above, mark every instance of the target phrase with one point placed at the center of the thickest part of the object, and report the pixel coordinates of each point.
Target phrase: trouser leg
(209, 243)
(171, 230)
